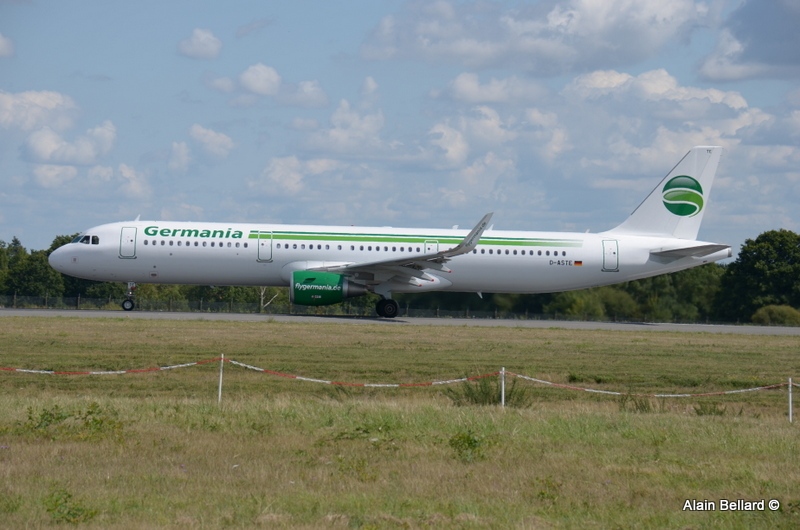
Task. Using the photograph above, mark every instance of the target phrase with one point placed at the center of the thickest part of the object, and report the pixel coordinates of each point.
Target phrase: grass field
(156, 450)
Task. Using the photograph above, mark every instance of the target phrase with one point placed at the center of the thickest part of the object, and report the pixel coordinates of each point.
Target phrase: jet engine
(322, 288)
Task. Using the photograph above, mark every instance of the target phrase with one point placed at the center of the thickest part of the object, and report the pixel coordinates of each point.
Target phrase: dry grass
(156, 451)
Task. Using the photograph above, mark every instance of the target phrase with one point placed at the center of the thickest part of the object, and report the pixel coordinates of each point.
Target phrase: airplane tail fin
(676, 206)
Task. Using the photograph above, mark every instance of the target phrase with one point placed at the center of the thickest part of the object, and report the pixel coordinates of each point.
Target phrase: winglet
(469, 243)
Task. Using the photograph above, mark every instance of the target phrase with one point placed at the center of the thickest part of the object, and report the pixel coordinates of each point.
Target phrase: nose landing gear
(128, 303)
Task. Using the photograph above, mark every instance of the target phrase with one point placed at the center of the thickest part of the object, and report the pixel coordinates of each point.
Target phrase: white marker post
(790, 400)
(503, 387)
(221, 364)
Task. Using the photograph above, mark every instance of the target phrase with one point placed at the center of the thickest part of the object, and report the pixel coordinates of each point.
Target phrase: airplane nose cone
(59, 259)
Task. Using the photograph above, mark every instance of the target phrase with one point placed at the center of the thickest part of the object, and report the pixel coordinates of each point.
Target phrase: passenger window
(145, 241)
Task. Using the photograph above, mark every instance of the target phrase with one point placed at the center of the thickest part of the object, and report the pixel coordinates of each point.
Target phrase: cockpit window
(87, 239)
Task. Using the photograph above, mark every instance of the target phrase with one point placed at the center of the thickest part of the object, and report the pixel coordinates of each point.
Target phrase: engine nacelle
(322, 288)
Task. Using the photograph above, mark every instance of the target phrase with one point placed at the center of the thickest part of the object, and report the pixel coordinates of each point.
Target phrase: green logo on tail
(683, 196)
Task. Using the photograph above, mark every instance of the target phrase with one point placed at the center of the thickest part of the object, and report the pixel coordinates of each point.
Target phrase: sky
(554, 115)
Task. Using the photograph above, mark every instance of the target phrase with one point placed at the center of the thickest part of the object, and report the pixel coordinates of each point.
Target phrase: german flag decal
(579, 264)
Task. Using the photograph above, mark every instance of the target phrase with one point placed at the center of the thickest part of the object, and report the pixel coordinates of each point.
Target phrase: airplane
(325, 265)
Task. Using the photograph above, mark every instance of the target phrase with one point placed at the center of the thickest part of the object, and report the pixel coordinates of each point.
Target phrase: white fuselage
(266, 255)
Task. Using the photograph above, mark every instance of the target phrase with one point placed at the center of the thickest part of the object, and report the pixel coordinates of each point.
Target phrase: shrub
(777, 315)
(486, 391)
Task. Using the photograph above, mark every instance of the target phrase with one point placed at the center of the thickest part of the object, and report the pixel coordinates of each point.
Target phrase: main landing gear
(128, 304)
(386, 307)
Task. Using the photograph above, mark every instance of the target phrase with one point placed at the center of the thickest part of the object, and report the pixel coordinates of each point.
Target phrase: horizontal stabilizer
(696, 251)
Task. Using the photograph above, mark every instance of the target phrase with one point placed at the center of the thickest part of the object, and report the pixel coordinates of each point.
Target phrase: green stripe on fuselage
(408, 239)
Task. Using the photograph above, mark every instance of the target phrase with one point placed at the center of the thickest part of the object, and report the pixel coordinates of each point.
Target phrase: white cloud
(654, 85)
(221, 84)
(487, 127)
(100, 174)
(350, 131)
(134, 183)
(480, 177)
(261, 79)
(467, 87)
(46, 145)
(31, 110)
(759, 39)
(305, 94)
(287, 175)
(723, 64)
(454, 147)
(369, 87)
(304, 124)
(549, 40)
(201, 45)
(180, 157)
(253, 27)
(6, 46)
(53, 176)
(217, 144)
(550, 138)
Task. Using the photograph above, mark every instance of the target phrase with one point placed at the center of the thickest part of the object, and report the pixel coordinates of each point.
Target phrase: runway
(405, 321)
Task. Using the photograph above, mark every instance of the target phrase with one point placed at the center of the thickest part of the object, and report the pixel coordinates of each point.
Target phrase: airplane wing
(411, 267)
(697, 251)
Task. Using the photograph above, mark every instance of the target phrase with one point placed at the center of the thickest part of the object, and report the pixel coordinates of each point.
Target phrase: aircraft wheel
(127, 305)
(380, 308)
(390, 309)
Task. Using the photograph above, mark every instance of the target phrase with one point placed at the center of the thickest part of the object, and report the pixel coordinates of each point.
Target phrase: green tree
(586, 303)
(32, 275)
(767, 272)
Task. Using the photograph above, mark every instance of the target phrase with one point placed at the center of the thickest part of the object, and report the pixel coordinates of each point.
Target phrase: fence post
(790, 400)
(503, 387)
(221, 364)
